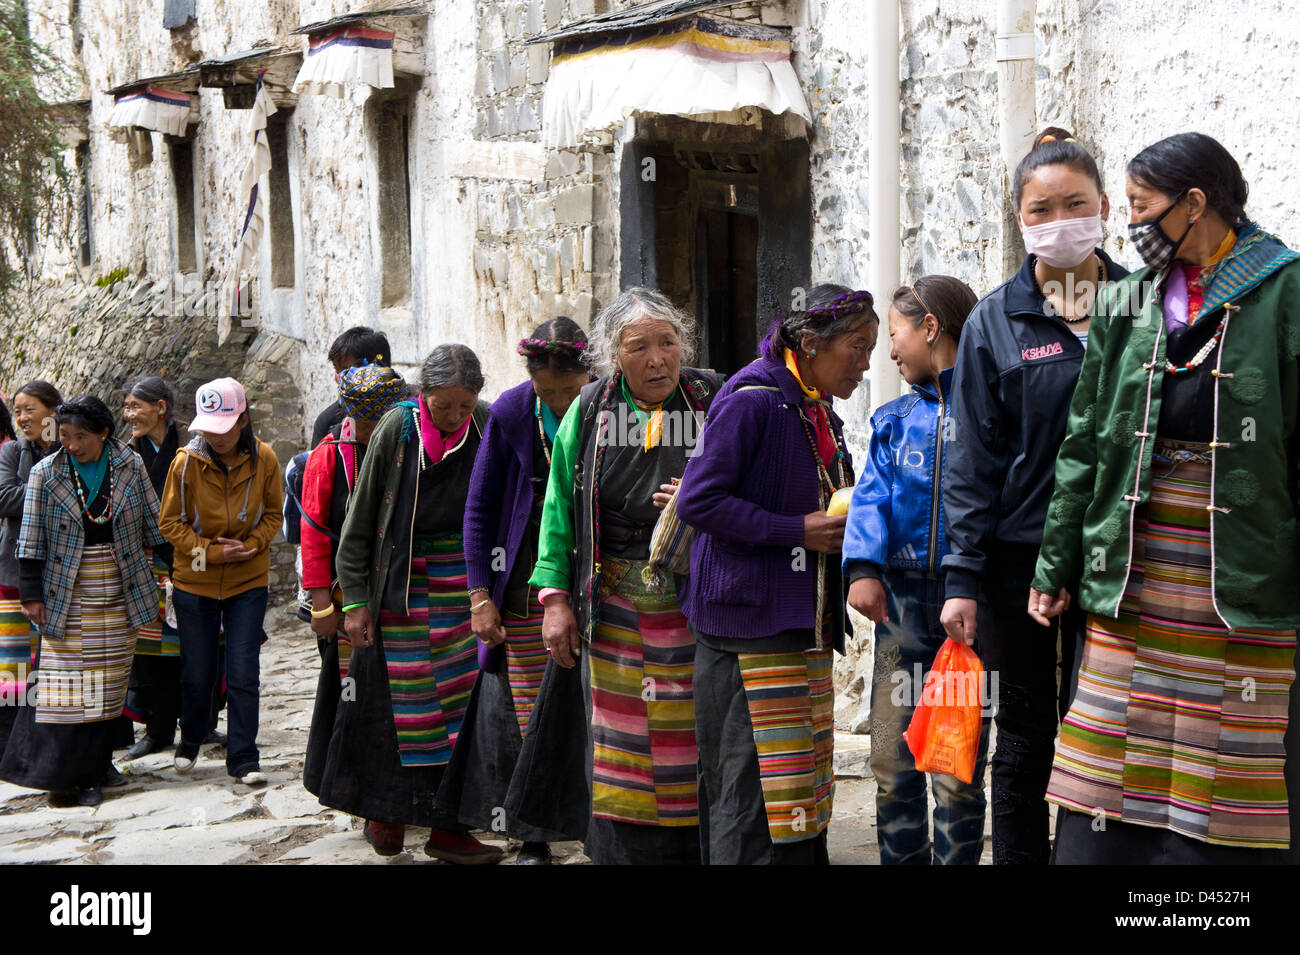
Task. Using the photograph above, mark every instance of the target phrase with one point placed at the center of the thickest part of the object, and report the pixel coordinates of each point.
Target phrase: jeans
(200, 621)
(910, 640)
(1030, 703)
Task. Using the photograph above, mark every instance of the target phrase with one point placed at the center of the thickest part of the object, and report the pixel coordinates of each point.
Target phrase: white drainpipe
(1017, 111)
(885, 174)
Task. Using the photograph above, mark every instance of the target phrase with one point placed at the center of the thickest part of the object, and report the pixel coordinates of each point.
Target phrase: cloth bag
(670, 546)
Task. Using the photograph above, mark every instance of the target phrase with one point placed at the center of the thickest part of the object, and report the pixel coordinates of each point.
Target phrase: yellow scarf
(812, 394)
(651, 418)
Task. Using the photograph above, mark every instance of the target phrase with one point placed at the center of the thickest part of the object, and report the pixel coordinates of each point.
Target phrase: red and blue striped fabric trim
(158, 95)
(351, 36)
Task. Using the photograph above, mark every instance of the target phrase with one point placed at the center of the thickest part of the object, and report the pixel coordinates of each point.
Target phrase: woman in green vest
(1176, 502)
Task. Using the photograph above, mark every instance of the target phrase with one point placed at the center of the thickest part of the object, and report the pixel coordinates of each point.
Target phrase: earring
(814, 351)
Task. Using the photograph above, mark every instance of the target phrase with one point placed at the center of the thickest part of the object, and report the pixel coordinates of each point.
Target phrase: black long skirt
(483, 762)
(363, 773)
(551, 785)
(325, 711)
(57, 756)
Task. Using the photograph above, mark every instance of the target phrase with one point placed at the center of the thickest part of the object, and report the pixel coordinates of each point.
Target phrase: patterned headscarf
(367, 391)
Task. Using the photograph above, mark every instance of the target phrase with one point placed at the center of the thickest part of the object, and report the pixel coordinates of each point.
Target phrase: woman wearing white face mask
(1017, 363)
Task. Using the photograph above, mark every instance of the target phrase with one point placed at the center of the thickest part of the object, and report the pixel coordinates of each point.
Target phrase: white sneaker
(252, 778)
(183, 764)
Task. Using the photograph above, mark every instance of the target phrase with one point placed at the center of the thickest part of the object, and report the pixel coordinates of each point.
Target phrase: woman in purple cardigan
(502, 524)
(765, 598)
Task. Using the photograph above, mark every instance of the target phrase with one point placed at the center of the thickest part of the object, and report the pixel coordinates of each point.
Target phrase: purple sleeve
(483, 505)
(723, 458)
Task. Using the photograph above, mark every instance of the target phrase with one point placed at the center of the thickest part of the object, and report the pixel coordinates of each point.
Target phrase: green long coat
(1103, 471)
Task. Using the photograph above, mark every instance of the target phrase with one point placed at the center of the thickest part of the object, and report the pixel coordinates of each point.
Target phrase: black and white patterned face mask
(1151, 241)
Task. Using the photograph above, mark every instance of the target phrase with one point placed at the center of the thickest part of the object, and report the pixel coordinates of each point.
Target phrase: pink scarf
(435, 445)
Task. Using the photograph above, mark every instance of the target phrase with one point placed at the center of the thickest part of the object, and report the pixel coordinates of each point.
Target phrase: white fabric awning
(347, 56)
(685, 67)
(152, 107)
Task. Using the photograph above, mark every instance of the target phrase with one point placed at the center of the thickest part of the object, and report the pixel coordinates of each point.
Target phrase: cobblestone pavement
(207, 818)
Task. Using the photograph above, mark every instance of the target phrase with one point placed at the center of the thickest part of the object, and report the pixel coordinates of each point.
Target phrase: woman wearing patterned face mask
(1017, 363)
(1176, 503)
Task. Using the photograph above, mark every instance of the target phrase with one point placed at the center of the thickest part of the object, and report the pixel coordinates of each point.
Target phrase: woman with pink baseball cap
(220, 510)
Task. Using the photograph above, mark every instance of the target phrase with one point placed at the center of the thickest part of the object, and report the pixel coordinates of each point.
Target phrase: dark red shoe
(386, 838)
(460, 850)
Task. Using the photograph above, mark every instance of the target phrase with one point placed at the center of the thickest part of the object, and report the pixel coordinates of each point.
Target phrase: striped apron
(525, 657)
(431, 652)
(159, 638)
(83, 676)
(642, 663)
(791, 703)
(18, 644)
(1178, 722)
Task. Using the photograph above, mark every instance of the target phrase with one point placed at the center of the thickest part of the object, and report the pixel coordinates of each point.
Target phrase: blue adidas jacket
(896, 515)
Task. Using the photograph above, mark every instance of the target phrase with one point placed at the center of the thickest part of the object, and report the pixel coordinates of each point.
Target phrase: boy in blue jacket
(893, 544)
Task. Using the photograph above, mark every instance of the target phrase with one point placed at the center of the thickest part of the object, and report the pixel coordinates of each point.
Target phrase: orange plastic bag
(944, 733)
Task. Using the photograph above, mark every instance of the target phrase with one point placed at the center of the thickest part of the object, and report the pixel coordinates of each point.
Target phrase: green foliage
(36, 185)
(113, 277)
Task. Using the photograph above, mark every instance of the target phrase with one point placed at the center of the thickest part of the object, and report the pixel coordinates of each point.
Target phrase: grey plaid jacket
(52, 531)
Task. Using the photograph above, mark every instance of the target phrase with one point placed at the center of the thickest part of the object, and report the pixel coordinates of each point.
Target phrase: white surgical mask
(1063, 243)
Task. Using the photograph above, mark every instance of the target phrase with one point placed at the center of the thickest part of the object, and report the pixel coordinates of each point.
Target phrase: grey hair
(630, 306)
(451, 366)
(152, 389)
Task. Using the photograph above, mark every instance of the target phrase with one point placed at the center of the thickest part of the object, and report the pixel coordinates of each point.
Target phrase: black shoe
(63, 798)
(144, 746)
(90, 796)
(534, 853)
(112, 777)
(215, 737)
(186, 756)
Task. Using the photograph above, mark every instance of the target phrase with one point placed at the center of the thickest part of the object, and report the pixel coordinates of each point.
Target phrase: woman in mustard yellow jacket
(220, 510)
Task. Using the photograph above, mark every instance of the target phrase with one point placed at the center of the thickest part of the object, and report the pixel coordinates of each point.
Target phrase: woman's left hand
(34, 610)
(1042, 607)
(665, 493)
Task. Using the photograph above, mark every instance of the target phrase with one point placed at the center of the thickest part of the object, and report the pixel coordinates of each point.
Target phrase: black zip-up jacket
(1016, 370)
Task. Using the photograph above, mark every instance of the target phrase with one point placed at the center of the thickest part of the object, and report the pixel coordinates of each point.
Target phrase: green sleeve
(554, 549)
(1060, 559)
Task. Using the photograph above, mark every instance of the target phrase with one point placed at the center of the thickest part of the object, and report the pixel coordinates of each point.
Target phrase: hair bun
(1053, 134)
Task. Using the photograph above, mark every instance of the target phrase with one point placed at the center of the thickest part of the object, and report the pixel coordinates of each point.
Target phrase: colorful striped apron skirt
(431, 652)
(792, 708)
(525, 657)
(18, 644)
(642, 664)
(82, 677)
(1178, 722)
(159, 638)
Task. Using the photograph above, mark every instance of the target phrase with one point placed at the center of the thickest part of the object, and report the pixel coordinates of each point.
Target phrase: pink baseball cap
(219, 404)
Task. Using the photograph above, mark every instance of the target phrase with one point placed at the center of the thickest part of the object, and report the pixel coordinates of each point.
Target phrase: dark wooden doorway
(721, 223)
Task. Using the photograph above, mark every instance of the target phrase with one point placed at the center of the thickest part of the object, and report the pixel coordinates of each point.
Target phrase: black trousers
(1032, 696)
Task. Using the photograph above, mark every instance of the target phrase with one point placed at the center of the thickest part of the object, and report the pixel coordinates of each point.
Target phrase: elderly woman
(33, 406)
(366, 394)
(87, 585)
(1176, 503)
(154, 695)
(765, 597)
(503, 517)
(401, 568)
(617, 453)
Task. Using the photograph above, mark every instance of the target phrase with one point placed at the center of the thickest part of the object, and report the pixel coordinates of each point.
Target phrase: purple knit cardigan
(745, 492)
(500, 497)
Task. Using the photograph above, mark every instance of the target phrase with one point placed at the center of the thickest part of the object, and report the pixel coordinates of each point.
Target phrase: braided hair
(829, 310)
(556, 345)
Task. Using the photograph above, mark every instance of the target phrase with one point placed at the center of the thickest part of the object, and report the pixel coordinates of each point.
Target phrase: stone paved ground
(207, 818)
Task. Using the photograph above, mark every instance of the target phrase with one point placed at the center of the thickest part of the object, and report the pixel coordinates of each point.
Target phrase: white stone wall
(506, 234)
